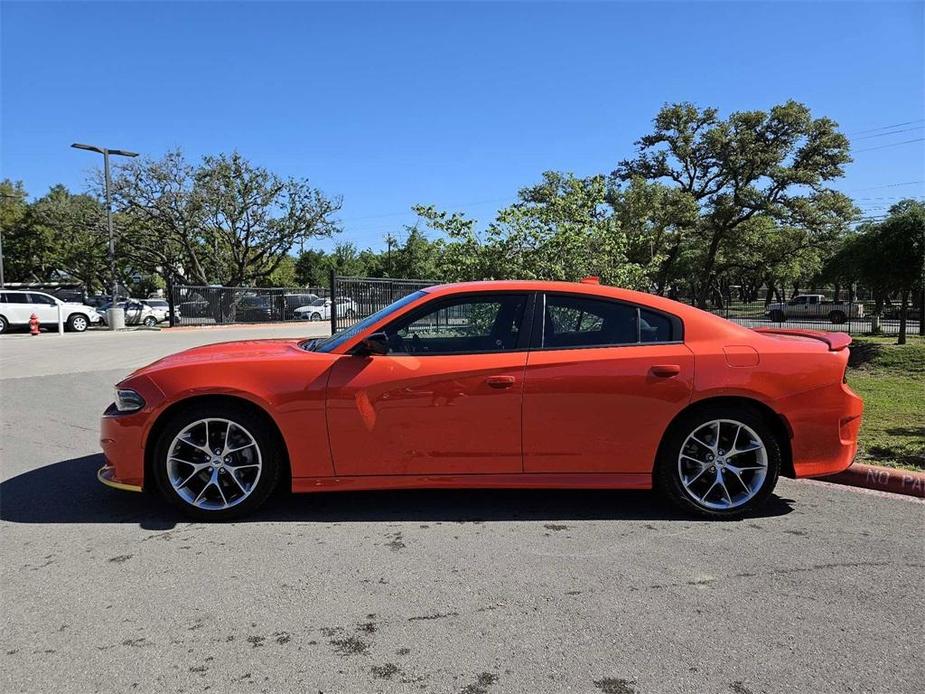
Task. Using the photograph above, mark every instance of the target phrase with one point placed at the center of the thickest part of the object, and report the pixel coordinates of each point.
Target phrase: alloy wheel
(722, 464)
(214, 464)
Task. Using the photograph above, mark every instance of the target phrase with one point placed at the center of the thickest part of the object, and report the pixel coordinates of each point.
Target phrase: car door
(45, 308)
(603, 380)
(445, 399)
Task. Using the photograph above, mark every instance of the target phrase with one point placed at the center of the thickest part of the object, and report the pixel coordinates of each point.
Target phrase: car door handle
(500, 381)
(665, 370)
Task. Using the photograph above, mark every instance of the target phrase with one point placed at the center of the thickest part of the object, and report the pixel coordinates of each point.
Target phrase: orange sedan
(492, 384)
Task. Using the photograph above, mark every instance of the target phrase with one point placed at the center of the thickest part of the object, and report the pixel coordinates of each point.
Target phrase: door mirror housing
(376, 343)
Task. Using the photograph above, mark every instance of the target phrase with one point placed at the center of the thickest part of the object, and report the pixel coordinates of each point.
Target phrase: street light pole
(112, 243)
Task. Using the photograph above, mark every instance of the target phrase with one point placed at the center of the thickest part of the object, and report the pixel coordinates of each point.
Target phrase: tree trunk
(903, 306)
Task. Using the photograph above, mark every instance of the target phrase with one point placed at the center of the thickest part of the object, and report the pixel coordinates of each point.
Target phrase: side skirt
(475, 481)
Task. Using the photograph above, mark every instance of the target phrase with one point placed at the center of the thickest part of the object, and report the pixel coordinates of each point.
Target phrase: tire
(149, 322)
(77, 322)
(837, 317)
(350, 313)
(777, 316)
(315, 316)
(255, 466)
(4, 325)
(671, 464)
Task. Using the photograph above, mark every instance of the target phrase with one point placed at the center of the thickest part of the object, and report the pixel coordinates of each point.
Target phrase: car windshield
(338, 339)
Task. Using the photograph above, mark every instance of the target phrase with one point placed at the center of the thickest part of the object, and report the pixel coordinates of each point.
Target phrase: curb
(886, 479)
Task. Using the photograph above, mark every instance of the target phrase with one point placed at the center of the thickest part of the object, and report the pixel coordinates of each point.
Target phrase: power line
(886, 185)
(892, 132)
(887, 127)
(892, 144)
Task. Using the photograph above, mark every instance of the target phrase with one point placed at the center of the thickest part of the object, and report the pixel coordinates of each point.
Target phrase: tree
(254, 218)
(72, 227)
(899, 253)
(225, 221)
(771, 164)
(26, 254)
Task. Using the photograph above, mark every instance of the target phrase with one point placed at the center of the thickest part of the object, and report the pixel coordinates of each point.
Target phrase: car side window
(655, 327)
(465, 325)
(42, 299)
(579, 321)
(13, 298)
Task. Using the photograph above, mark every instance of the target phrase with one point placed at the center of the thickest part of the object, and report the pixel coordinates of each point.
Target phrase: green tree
(773, 164)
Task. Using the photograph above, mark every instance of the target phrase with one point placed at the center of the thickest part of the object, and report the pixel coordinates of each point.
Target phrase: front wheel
(3, 325)
(78, 322)
(777, 316)
(216, 462)
(719, 462)
(315, 317)
(149, 321)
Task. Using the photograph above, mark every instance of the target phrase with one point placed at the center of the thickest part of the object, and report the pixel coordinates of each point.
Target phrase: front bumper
(106, 475)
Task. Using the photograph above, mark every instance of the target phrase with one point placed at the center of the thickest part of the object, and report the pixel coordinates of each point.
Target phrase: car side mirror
(376, 343)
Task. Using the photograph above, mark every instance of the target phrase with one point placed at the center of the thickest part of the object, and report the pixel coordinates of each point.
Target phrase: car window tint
(654, 327)
(489, 323)
(42, 299)
(578, 321)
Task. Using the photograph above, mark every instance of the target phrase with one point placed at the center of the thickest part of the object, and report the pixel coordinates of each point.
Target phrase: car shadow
(68, 492)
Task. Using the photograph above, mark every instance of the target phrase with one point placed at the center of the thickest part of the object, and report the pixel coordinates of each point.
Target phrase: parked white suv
(17, 307)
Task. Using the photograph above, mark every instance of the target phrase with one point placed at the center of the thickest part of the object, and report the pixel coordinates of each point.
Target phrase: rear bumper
(824, 425)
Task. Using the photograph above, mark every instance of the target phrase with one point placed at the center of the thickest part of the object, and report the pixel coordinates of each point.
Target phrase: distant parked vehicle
(291, 302)
(17, 307)
(136, 313)
(320, 309)
(161, 309)
(253, 308)
(815, 306)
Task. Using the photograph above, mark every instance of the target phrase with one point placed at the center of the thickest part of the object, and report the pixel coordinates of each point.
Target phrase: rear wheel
(217, 461)
(3, 325)
(777, 316)
(719, 462)
(837, 317)
(77, 322)
(150, 321)
(315, 316)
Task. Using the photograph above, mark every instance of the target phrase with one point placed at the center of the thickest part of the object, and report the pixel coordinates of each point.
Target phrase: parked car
(17, 307)
(136, 313)
(253, 308)
(815, 306)
(528, 384)
(291, 302)
(320, 309)
(161, 309)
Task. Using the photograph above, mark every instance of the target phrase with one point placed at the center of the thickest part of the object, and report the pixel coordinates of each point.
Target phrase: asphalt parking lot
(447, 591)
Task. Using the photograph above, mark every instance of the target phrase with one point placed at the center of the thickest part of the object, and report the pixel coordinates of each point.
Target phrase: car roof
(589, 288)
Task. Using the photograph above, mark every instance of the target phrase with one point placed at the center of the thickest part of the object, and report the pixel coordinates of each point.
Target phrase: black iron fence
(355, 298)
(223, 305)
(349, 299)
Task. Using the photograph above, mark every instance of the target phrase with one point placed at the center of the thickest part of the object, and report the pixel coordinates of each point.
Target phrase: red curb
(885, 479)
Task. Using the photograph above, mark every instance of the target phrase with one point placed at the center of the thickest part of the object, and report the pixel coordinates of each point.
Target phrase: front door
(446, 399)
(602, 386)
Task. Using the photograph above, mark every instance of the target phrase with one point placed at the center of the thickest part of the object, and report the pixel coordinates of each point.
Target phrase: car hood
(239, 351)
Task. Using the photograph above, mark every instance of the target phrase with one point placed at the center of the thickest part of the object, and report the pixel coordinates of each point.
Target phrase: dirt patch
(614, 685)
(481, 684)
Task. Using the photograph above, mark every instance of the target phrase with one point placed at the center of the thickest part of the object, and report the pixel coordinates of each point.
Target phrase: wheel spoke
(738, 476)
(237, 481)
(754, 447)
(204, 488)
(722, 483)
(227, 434)
(696, 477)
(240, 448)
(702, 443)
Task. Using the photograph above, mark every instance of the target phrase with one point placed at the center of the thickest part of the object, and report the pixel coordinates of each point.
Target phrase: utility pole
(112, 243)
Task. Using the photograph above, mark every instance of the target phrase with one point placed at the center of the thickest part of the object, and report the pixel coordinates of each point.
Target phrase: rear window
(573, 321)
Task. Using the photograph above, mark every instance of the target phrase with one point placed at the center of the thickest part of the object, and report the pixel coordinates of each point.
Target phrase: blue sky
(457, 105)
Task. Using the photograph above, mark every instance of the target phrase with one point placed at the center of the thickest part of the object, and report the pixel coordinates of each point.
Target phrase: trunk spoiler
(835, 341)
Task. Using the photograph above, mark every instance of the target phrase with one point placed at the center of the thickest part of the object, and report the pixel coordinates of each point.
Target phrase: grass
(891, 379)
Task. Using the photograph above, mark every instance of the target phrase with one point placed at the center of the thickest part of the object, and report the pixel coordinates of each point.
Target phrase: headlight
(127, 400)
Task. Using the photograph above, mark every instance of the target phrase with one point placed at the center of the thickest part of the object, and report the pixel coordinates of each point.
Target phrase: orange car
(492, 384)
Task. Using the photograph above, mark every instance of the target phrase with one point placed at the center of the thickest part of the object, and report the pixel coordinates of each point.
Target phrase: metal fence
(348, 300)
(355, 298)
(818, 309)
(195, 305)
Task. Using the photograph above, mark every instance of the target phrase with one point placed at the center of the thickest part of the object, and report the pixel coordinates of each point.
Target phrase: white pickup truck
(815, 306)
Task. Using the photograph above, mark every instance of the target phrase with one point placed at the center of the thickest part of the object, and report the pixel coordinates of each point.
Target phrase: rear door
(44, 307)
(603, 380)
